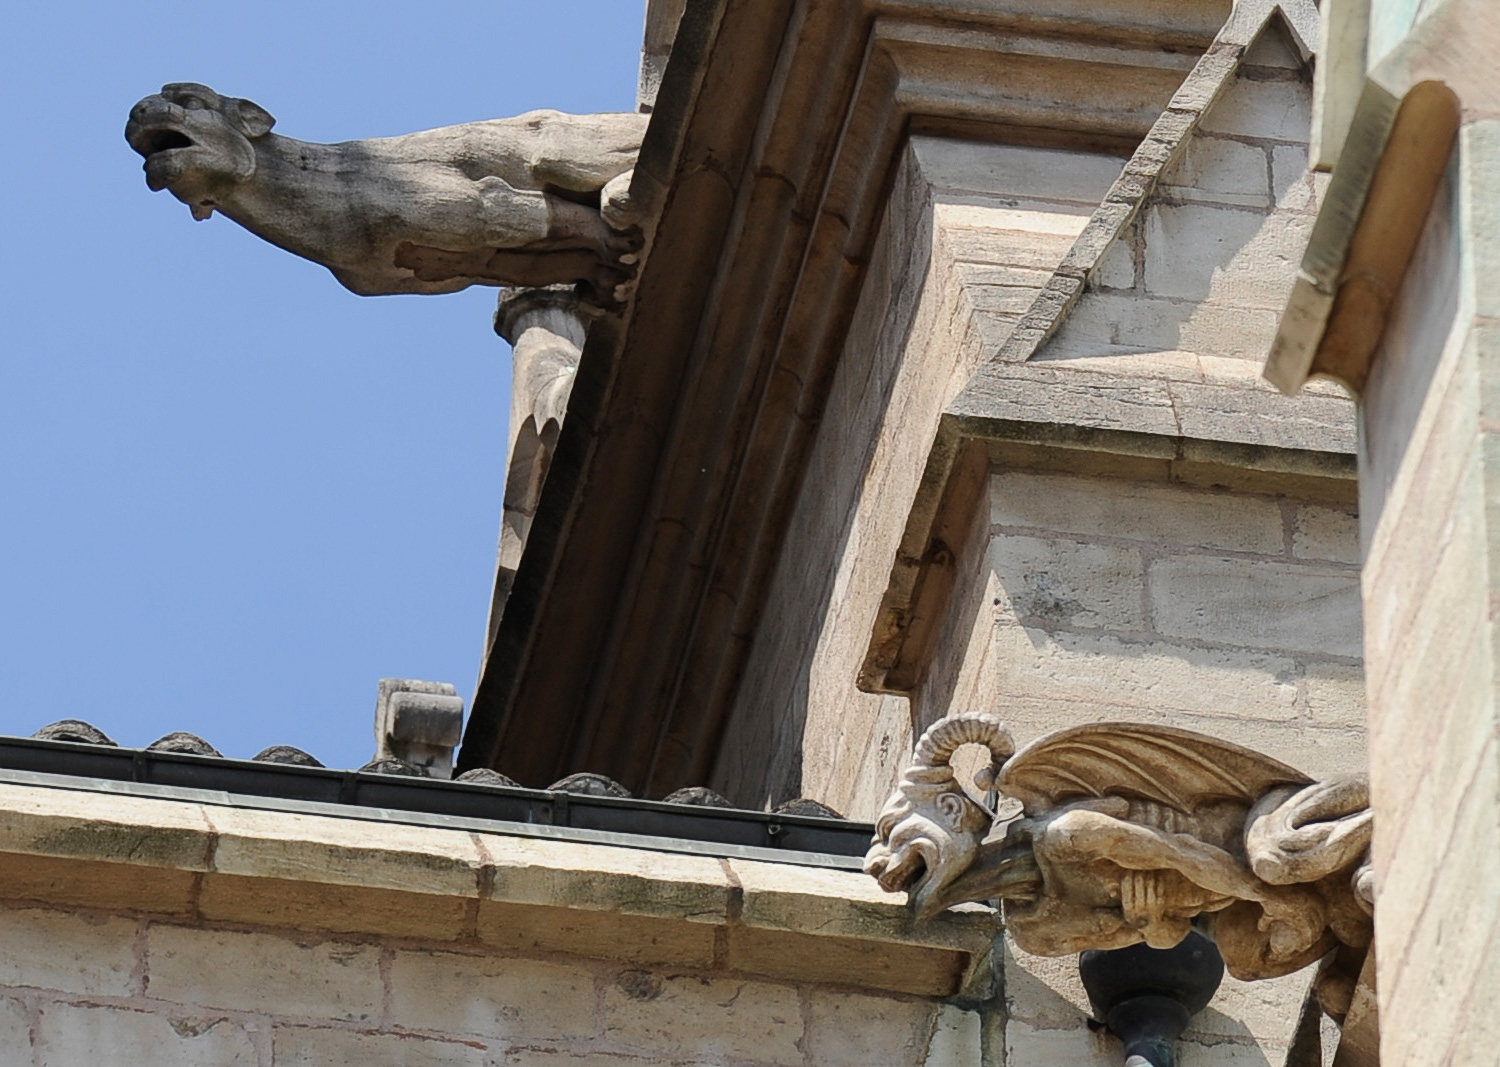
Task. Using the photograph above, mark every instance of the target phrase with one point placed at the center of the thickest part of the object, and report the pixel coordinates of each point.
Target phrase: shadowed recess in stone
(588, 784)
(286, 754)
(75, 730)
(183, 742)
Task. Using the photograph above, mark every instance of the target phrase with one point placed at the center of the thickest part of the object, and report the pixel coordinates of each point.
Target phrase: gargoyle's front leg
(1079, 836)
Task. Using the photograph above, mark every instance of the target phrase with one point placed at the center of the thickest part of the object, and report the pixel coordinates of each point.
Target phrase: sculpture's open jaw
(898, 873)
(909, 869)
(162, 139)
(162, 145)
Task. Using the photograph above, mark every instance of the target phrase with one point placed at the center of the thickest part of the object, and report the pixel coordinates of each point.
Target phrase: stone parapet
(206, 865)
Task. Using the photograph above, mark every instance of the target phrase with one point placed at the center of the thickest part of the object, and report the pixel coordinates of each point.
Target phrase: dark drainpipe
(1145, 996)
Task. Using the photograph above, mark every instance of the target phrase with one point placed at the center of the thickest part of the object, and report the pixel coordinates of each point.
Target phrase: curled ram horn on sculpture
(534, 200)
(930, 830)
(1133, 833)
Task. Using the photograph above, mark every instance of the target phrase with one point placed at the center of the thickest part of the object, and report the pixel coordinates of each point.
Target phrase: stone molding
(216, 863)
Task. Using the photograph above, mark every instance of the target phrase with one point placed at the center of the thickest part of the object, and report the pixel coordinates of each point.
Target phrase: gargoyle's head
(930, 831)
(196, 143)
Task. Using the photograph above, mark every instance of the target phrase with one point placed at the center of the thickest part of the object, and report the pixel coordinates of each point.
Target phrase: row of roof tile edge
(582, 783)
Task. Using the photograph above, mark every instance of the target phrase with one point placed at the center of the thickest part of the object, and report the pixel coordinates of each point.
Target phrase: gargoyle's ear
(254, 120)
(953, 809)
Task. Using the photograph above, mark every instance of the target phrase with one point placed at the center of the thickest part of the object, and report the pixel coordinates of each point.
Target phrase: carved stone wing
(1177, 768)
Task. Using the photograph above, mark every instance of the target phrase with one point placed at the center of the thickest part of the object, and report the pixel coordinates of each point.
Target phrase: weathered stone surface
(1111, 324)
(1335, 695)
(1326, 533)
(546, 329)
(136, 830)
(1220, 171)
(1062, 582)
(67, 952)
(1107, 671)
(1272, 49)
(430, 212)
(69, 1035)
(264, 973)
(1434, 926)
(1274, 110)
(1274, 606)
(598, 878)
(305, 1046)
(324, 907)
(547, 1057)
(489, 996)
(852, 1030)
(61, 882)
(1010, 172)
(1025, 1043)
(295, 847)
(782, 955)
(1117, 267)
(1139, 510)
(15, 1029)
(1228, 256)
(639, 939)
(418, 723)
(1293, 186)
(714, 1017)
(957, 1039)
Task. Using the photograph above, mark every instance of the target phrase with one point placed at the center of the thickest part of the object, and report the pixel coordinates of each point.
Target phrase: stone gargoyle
(515, 201)
(1129, 833)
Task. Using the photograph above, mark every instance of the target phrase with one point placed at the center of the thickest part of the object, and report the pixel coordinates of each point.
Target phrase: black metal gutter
(630, 823)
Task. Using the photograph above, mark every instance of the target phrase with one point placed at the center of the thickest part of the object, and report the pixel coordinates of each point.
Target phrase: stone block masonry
(1428, 463)
(1119, 595)
(344, 941)
(1230, 612)
(121, 991)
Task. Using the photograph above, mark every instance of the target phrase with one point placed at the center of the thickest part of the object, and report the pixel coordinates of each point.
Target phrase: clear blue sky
(234, 494)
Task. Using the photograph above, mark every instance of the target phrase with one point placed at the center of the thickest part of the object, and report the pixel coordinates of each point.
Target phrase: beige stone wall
(146, 930)
(104, 989)
(1200, 276)
(1428, 479)
(1134, 592)
(968, 225)
(1105, 597)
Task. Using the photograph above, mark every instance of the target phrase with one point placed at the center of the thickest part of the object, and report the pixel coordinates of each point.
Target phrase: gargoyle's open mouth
(896, 875)
(154, 141)
(150, 140)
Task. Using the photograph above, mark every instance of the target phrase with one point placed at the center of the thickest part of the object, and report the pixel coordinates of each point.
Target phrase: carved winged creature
(517, 201)
(1128, 833)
